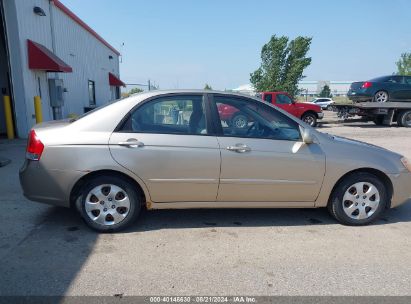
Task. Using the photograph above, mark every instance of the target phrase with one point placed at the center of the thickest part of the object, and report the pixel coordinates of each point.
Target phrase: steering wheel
(260, 130)
(254, 129)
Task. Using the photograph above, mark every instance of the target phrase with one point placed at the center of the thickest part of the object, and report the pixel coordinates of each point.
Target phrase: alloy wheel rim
(361, 200)
(309, 120)
(240, 122)
(382, 97)
(107, 204)
(407, 120)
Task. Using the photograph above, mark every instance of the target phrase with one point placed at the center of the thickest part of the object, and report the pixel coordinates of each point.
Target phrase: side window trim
(212, 115)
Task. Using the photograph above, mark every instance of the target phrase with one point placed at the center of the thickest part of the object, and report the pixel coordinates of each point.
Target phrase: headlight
(407, 163)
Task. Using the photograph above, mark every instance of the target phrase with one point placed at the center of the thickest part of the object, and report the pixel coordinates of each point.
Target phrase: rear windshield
(92, 111)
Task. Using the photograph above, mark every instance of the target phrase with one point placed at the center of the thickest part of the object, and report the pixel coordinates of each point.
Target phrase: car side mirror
(307, 136)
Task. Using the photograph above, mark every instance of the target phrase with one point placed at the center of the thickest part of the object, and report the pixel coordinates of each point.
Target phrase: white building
(47, 51)
(247, 89)
(308, 87)
(313, 88)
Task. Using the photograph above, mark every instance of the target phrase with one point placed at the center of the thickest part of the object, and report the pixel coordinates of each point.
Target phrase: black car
(382, 89)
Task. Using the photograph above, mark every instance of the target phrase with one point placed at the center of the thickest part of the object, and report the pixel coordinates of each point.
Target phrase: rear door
(167, 143)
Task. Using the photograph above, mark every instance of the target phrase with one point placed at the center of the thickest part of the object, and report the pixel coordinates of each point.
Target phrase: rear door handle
(131, 143)
(239, 148)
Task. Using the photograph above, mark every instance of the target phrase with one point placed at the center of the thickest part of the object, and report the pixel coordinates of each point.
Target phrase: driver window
(283, 99)
(252, 119)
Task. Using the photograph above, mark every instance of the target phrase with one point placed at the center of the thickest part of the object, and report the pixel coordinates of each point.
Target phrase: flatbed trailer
(385, 113)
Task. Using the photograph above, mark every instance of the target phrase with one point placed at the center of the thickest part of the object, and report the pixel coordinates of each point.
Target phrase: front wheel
(358, 199)
(381, 96)
(310, 119)
(109, 203)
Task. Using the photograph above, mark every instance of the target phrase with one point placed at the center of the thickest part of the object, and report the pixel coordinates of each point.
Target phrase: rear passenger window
(268, 98)
(395, 79)
(169, 115)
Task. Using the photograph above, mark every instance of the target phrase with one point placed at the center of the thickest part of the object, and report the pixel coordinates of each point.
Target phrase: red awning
(114, 81)
(41, 58)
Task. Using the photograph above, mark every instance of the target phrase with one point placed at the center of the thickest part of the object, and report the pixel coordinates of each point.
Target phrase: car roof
(188, 91)
(386, 76)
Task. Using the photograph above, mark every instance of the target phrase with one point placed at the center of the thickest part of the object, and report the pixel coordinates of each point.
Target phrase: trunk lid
(355, 86)
(53, 124)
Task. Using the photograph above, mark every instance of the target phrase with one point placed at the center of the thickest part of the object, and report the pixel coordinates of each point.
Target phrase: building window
(92, 92)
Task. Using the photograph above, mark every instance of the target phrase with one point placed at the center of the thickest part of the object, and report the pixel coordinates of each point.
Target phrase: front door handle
(131, 143)
(239, 148)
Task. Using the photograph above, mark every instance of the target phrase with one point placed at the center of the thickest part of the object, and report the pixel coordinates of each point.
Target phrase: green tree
(325, 92)
(282, 64)
(135, 91)
(207, 87)
(404, 64)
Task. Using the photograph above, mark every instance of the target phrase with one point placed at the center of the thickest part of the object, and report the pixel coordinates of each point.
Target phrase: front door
(166, 143)
(267, 160)
(398, 88)
(285, 102)
(407, 81)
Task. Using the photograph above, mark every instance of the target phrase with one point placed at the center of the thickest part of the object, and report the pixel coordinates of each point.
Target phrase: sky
(187, 43)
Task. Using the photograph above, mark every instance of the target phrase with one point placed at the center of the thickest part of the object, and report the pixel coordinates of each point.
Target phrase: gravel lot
(49, 251)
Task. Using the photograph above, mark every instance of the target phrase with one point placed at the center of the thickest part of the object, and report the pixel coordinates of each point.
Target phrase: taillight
(367, 85)
(34, 147)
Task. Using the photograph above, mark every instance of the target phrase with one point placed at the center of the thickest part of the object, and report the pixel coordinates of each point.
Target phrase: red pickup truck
(309, 113)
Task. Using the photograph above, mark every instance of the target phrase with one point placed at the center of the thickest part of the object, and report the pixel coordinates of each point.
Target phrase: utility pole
(121, 52)
(149, 85)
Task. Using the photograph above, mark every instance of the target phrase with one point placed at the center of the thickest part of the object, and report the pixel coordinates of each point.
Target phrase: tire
(399, 117)
(112, 196)
(310, 119)
(404, 119)
(379, 120)
(367, 210)
(381, 96)
(239, 121)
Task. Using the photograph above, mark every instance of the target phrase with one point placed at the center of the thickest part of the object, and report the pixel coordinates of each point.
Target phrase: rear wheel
(381, 96)
(310, 119)
(358, 199)
(404, 119)
(109, 203)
